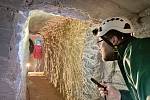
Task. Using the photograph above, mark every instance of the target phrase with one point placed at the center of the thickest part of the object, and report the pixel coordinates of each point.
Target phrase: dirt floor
(38, 88)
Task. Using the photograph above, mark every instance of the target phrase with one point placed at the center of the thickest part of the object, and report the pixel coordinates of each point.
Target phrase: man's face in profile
(106, 50)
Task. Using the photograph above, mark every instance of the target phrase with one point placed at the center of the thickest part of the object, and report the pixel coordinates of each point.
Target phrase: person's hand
(111, 92)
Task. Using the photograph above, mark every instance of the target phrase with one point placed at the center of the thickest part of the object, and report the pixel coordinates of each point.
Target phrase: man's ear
(115, 40)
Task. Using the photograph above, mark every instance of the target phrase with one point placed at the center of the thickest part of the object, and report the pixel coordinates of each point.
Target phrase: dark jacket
(135, 68)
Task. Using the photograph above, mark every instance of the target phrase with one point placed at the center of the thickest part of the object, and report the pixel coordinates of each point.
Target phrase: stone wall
(9, 63)
(12, 62)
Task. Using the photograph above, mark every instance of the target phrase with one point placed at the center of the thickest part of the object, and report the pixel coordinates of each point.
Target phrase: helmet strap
(107, 41)
(115, 47)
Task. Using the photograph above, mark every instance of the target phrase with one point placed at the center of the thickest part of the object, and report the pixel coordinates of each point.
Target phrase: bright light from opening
(28, 65)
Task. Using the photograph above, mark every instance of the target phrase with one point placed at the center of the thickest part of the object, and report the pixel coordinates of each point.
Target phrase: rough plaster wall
(23, 36)
(8, 61)
(142, 23)
(14, 4)
(12, 85)
(89, 61)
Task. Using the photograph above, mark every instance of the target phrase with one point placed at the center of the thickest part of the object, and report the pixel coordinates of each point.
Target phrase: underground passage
(50, 49)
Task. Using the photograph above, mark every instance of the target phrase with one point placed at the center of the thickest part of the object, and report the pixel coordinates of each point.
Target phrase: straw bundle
(64, 42)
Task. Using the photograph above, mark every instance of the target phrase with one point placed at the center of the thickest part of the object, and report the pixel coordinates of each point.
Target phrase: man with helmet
(116, 42)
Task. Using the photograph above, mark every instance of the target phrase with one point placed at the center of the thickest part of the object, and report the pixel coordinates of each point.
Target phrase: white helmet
(117, 23)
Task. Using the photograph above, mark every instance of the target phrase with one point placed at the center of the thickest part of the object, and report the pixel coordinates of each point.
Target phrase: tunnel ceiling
(104, 8)
(98, 9)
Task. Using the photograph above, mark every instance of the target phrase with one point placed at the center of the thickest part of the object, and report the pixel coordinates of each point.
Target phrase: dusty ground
(38, 88)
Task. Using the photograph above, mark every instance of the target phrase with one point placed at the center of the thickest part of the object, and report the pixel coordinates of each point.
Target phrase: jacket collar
(123, 46)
